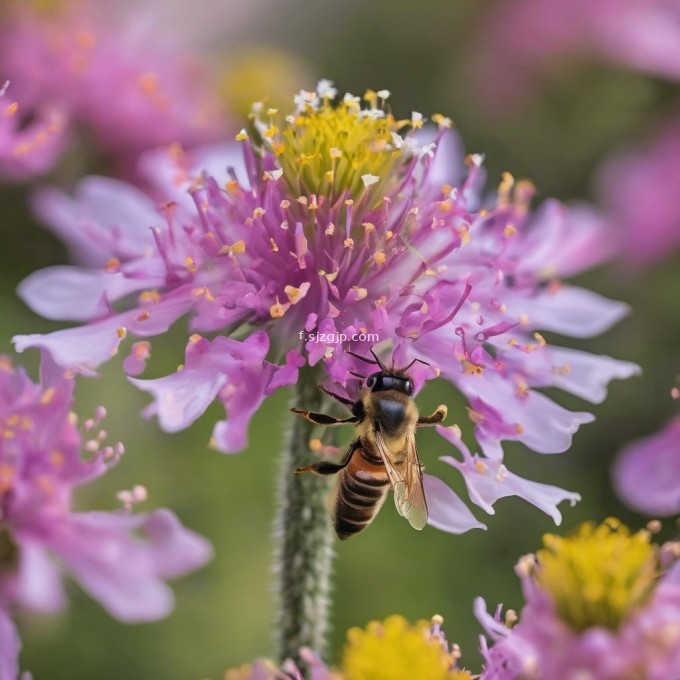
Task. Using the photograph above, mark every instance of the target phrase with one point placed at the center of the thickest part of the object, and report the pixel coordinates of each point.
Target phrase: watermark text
(341, 338)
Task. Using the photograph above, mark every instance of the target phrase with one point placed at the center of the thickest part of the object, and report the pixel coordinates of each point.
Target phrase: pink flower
(338, 225)
(639, 189)
(521, 37)
(595, 607)
(31, 149)
(647, 472)
(120, 559)
(110, 72)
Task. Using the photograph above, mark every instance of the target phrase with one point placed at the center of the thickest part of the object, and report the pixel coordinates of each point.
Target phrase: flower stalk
(303, 535)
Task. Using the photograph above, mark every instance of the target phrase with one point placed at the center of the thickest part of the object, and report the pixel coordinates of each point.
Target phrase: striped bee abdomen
(362, 488)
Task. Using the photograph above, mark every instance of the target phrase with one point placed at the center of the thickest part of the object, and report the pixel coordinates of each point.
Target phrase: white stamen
(325, 89)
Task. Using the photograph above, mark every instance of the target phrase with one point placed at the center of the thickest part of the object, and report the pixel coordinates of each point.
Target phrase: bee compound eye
(409, 387)
(371, 381)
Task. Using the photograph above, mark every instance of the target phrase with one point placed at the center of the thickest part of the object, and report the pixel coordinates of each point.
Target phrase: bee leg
(435, 418)
(337, 397)
(323, 419)
(326, 468)
(322, 468)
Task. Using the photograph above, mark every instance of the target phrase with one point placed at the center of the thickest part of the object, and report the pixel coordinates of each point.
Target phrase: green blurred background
(424, 53)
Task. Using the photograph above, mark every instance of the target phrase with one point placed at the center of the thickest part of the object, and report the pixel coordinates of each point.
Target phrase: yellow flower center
(335, 150)
(395, 650)
(599, 575)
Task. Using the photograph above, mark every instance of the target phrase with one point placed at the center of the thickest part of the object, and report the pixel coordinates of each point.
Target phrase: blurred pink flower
(596, 606)
(647, 472)
(120, 559)
(523, 38)
(337, 224)
(639, 194)
(111, 72)
(28, 148)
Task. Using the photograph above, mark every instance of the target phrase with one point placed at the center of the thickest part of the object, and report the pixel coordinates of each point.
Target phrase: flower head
(603, 603)
(342, 223)
(392, 649)
(121, 559)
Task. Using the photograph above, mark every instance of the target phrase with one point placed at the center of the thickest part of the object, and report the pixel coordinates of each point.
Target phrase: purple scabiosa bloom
(112, 72)
(647, 472)
(121, 559)
(602, 604)
(384, 650)
(27, 150)
(343, 225)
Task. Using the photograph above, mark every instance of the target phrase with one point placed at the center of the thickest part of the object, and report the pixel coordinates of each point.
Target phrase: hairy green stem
(303, 535)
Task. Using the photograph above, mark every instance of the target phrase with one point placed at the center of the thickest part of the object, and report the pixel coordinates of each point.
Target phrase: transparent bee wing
(407, 481)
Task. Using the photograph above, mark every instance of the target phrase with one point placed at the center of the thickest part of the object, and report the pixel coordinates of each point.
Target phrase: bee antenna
(364, 359)
(358, 375)
(380, 363)
(418, 361)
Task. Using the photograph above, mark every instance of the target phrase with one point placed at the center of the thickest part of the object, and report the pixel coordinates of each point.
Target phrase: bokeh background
(428, 55)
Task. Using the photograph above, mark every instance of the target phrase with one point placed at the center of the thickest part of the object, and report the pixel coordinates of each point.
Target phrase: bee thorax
(391, 416)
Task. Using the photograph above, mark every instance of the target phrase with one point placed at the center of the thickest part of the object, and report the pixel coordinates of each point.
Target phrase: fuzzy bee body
(382, 457)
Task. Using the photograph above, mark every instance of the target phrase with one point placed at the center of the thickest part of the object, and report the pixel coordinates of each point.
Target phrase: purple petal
(288, 373)
(564, 241)
(647, 472)
(122, 572)
(162, 169)
(74, 294)
(233, 370)
(491, 624)
(571, 311)
(447, 166)
(587, 375)
(489, 480)
(107, 217)
(446, 510)
(176, 550)
(84, 348)
(539, 422)
(180, 398)
(38, 584)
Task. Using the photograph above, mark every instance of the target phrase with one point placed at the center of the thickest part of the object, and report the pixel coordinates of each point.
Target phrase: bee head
(383, 381)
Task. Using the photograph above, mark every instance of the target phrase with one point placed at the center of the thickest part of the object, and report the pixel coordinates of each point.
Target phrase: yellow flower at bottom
(598, 575)
(395, 650)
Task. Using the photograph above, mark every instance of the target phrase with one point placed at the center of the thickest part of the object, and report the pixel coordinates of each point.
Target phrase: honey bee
(384, 453)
